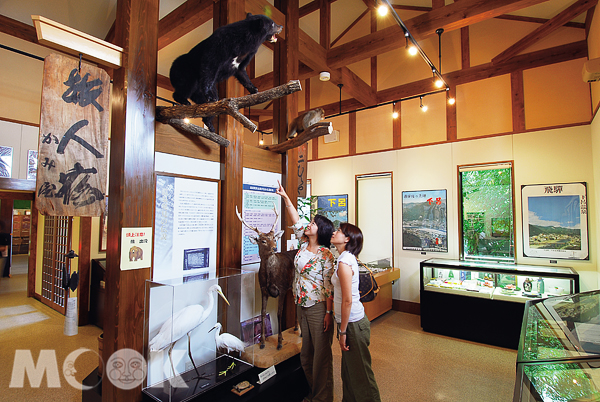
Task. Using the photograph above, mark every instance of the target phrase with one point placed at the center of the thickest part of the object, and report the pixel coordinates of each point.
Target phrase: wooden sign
(74, 125)
(302, 168)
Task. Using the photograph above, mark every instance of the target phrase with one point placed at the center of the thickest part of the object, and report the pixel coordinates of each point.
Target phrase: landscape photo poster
(424, 220)
(555, 221)
(334, 207)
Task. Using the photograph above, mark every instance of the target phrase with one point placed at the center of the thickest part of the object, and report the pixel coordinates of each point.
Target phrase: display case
(559, 350)
(484, 301)
(193, 334)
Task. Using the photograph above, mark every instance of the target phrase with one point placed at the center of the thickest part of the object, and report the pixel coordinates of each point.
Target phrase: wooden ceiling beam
(309, 8)
(315, 57)
(539, 58)
(18, 29)
(183, 20)
(588, 21)
(357, 88)
(542, 31)
(451, 17)
(526, 61)
(356, 21)
(535, 20)
(558, 54)
(164, 82)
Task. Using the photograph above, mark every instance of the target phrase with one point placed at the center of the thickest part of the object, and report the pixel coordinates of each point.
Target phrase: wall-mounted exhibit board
(186, 232)
(259, 197)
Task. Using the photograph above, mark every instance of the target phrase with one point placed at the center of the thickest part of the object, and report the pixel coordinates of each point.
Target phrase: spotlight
(412, 50)
(186, 120)
(451, 100)
(394, 113)
(324, 76)
(382, 10)
(261, 142)
(423, 107)
(439, 83)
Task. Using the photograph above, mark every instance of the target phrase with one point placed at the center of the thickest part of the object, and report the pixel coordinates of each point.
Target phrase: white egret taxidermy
(182, 323)
(227, 341)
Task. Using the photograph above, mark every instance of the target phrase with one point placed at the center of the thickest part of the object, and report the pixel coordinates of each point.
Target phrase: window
(487, 212)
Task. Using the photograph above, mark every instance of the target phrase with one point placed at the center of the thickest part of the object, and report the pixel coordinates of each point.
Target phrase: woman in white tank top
(354, 329)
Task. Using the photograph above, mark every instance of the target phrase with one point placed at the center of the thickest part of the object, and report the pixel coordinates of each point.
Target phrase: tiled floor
(409, 364)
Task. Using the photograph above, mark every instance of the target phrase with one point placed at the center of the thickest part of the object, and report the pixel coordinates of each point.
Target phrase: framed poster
(334, 207)
(424, 220)
(555, 221)
(186, 225)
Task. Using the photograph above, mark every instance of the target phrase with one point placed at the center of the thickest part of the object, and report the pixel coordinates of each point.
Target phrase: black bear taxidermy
(304, 121)
(223, 54)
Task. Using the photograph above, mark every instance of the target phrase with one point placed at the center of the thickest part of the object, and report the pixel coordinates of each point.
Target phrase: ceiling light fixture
(413, 43)
(423, 107)
(261, 141)
(382, 10)
(395, 112)
(324, 76)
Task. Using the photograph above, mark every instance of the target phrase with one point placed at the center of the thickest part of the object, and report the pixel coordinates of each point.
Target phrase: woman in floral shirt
(313, 295)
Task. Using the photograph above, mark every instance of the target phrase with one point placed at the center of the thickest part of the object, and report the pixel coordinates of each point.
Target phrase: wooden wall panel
(171, 141)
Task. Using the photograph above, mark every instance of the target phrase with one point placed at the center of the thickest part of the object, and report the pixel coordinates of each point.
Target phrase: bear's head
(267, 26)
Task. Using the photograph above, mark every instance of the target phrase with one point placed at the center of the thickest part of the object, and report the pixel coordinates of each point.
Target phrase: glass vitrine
(484, 301)
(196, 335)
(559, 350)
(511, 282)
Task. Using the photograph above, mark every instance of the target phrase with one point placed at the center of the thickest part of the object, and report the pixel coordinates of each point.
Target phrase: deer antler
(276, 217)
(244, 222)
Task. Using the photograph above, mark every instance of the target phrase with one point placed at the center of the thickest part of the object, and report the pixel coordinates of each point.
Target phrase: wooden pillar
(352, 133)
(285, 109)
(397, 125)
(132, 183)
(518, 101)
(232, 163)
(84, 268)
(232, 157)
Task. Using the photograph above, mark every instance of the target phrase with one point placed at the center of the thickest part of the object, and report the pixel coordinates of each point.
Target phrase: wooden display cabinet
(383, 302)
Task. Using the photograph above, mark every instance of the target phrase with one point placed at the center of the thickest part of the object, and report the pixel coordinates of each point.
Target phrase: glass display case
(499, 281)
(484, 301)
(194, 335)
(559, 350)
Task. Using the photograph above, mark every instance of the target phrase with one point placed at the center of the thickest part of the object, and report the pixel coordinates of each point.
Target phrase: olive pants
(358, 380)
(316, 355)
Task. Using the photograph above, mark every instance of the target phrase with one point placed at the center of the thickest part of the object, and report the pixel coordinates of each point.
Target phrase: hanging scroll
(74, 125)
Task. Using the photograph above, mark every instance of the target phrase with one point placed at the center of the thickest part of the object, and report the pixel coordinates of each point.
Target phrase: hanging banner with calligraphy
(74, 126)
